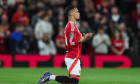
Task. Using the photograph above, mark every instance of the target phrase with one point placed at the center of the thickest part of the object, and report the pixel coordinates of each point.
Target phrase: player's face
(76, 14)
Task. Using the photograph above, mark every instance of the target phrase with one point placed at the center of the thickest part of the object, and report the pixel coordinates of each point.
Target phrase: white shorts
(77, 69)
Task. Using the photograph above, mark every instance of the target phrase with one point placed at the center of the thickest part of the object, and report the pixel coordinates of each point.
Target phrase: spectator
(60, 41)
(43, 26)
(33, 45)
(74, 3)
(89, 8)
(6, 9)
(59, 22)
(109, 13)
(4, 38)
(101, 42)
(127, 38)
(33, 10)
(19, 14)
(46, 46)
(26, 32)
(60, 18)
(4, 19)
(117, 44)
(40, 5)
(37, 17)
(104, 8)
(8, 2)
(112, 27)
(85, 29)
(59, 10)
(2, 48)
(104, 21)
(5, 6)
(112, 3)
(94, 23)
(53, 16)
(16, 41)
(116, 17)
(50, 14)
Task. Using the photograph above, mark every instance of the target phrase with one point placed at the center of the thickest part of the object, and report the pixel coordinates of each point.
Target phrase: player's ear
(71, 14)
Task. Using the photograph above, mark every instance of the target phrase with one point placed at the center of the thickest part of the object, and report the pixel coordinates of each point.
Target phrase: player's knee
(74, 79)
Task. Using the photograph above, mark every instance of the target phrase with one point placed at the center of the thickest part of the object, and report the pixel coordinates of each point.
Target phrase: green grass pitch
(88, 76)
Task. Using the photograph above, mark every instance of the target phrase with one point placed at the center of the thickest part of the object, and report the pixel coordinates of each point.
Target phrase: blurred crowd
(37, 26)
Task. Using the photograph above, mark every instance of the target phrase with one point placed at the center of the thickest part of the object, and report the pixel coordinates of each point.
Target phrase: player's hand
(85, 37)
(88, 35)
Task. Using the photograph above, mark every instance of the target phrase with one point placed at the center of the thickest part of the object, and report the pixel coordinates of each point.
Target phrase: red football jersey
(72, 35)
(117, 44)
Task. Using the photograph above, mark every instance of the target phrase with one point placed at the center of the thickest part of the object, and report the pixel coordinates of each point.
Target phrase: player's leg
(74, 75)
(73, 79)
(64, 79)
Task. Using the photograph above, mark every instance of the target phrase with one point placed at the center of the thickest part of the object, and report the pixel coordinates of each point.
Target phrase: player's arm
(75, 41)
(73, 36)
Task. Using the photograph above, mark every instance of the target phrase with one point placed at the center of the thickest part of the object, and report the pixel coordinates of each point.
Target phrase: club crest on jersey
(71, 34)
